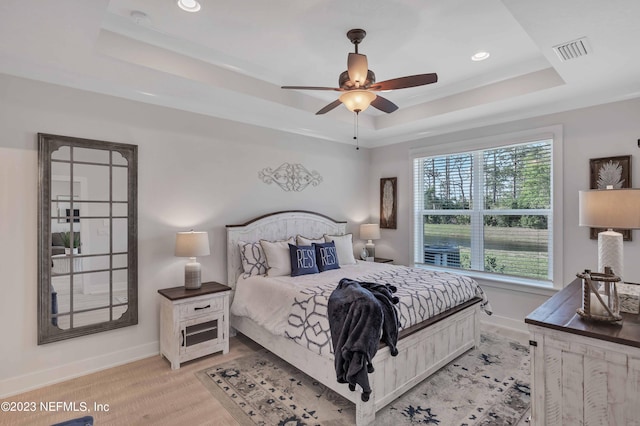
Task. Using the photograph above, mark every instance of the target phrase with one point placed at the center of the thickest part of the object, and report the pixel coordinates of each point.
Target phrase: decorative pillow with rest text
(303, 260)
(326, 256)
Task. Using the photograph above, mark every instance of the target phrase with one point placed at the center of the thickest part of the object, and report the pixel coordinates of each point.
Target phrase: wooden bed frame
(423, 349)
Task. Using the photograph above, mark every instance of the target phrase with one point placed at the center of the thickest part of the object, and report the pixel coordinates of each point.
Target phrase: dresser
(582, 372)
(194, 323)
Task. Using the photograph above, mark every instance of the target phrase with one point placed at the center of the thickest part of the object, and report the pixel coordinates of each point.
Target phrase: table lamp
(192, 244)
(370, 232)
(610, 208)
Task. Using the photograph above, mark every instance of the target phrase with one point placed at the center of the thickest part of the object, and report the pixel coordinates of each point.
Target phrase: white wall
(601, 131)
(200, 172)
(194, 172)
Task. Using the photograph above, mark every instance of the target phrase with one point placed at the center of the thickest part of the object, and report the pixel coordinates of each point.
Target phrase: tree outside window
(487, 210)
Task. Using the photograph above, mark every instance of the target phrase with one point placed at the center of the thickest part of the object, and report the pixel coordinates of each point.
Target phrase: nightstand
(194, 323)
(382, 260)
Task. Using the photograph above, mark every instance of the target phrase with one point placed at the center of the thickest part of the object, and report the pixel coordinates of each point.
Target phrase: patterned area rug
(486, 386)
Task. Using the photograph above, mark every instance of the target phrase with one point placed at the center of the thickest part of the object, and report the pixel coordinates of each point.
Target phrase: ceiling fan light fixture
(357, 100)
(357, 68)
(480, 56)
(188, 5)
(358, 83)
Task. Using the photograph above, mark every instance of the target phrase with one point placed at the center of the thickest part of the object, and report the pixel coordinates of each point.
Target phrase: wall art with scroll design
(290, 177)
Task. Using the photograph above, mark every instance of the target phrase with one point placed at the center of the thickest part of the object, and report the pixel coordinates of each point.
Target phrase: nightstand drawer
(201, 307)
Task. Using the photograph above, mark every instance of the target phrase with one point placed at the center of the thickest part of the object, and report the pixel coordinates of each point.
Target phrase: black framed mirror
(87, 236)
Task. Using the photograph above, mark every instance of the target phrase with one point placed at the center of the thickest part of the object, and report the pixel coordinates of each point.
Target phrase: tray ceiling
(230, 59)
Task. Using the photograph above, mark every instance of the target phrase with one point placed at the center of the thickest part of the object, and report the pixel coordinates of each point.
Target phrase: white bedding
(296, 307)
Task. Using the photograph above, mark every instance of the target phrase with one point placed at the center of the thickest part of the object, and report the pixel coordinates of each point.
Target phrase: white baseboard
(49, 376)
(518, 325)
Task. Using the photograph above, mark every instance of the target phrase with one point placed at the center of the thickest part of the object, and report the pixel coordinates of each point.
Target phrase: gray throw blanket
(359, 314)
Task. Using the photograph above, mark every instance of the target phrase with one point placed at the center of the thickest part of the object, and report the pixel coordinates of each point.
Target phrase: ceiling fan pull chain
(355, 130)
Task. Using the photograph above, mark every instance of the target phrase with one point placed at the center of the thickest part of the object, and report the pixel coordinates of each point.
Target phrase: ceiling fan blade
(357, 67)
(384, 104)
(404, 82)
(337, 89)
(329, 107)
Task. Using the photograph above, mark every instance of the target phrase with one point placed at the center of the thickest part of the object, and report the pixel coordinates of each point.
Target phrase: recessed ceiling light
(189, 5)
(480, 56)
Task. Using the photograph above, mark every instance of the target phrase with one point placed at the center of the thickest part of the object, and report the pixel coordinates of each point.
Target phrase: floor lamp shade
(192, 244)
(370, 232)
(610, 208)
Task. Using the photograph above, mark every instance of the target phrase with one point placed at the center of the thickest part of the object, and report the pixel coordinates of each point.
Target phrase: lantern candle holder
(600, 302)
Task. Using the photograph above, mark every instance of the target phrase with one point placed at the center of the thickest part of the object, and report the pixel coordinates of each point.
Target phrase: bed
(425, 345)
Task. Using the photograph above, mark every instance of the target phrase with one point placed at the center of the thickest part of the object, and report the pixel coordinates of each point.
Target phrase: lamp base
(192, 275)
(371, 249)
(610, 252)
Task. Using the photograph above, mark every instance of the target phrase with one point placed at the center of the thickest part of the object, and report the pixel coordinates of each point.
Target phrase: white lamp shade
(370, 231)
(610, 208)
(357, 100)
(192, 244)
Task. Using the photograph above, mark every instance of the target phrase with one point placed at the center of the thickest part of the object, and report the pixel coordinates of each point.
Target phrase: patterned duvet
(296, 307)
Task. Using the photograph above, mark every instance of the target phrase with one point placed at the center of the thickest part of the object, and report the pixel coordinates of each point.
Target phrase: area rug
(488, 385)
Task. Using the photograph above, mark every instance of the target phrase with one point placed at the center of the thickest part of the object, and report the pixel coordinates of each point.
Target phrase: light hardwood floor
(147, 392)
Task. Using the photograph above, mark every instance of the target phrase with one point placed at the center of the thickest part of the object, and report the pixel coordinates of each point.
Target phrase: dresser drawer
(201, 307)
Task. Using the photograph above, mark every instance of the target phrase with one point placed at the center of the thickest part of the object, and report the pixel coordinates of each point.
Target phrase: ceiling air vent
(572, 49)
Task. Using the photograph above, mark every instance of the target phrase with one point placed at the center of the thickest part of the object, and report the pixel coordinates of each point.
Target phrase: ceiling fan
(359, 83)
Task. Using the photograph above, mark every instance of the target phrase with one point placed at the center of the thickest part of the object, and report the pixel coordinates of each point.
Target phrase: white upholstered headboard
(276, 226)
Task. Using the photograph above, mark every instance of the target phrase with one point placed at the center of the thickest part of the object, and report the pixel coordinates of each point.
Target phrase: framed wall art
(388, 203)
(614, 172)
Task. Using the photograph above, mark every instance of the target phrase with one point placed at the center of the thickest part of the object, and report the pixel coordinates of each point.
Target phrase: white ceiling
(230, 59)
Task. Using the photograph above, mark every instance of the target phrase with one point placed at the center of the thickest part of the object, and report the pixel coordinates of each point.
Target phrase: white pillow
(254, 261)
(278, 260)
(304, 241)
(344, 248)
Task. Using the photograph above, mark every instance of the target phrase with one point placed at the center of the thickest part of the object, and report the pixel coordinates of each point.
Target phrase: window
(488, 210)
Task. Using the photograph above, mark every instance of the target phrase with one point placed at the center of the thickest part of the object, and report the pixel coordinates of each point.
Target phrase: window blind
(487, 210)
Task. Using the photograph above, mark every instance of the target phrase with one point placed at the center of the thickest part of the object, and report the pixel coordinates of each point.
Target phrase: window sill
(521, 285)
